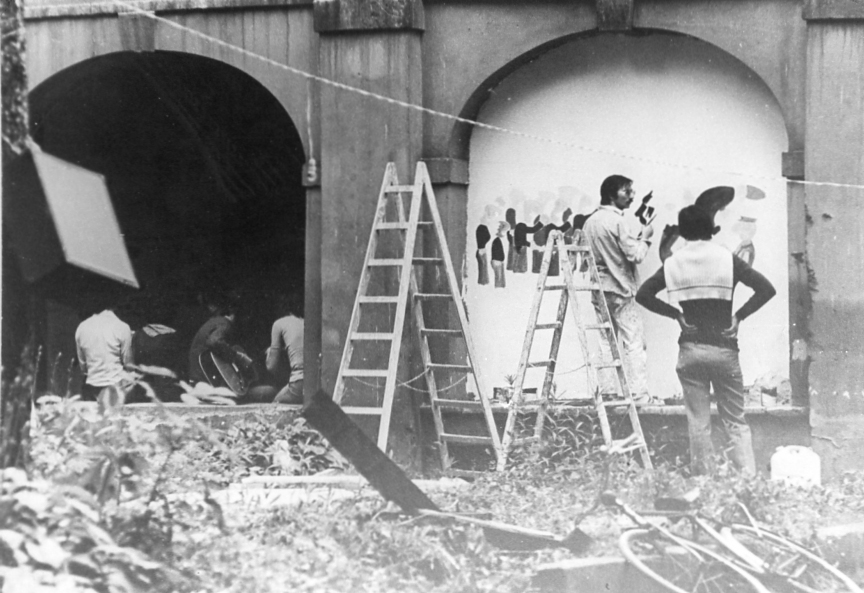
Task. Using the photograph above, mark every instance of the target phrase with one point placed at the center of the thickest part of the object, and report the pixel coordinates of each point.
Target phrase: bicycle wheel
(683, 566)
(792, 566)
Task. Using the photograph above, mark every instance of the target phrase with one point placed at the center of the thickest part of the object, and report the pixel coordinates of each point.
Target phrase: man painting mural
(700, 278)
(617, 252)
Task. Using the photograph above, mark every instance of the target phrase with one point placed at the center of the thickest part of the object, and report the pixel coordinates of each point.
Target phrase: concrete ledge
(793, 164)
(218, 416)
(61, 9)
(815, 10)
(333, 16)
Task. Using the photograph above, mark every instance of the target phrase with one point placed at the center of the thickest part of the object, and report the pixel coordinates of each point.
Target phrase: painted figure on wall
(521, 245)
(483, 236)
(746, 229)
(498, 254)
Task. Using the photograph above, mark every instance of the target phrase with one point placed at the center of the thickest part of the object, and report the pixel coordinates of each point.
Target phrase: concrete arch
(204, 168)
(459, 141)
(60, 42)
(628, 104)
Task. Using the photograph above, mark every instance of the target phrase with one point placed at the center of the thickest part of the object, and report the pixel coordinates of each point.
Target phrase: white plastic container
(796, 465)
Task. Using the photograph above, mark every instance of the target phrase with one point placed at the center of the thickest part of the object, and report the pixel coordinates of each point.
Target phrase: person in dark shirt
(701, 278)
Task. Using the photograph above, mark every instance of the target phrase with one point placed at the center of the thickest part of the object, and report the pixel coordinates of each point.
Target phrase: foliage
(51, 536)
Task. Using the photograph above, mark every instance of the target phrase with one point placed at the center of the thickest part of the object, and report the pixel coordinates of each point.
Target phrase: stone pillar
(374, 45)
(834, 152)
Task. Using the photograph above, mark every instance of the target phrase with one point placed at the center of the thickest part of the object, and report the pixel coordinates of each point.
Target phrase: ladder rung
(363, 410)
(464, 439)
(393, 189)
(428, 260)
(389, 226)
(626, 445)
(607, 365)
(457, 404)
(372, 336)
(365, 373)
(598, 326)
(390, 262)
(464, 473)
(540, 363)
(524, 440)
(449, 367)
(378, 299)
(615, 403)
(441, 332)
(578, 248)
(587, 287)
(554, 325)
(423, 296)
(555, 287)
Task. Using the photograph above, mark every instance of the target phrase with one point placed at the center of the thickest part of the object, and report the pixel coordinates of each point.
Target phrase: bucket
(796, 465)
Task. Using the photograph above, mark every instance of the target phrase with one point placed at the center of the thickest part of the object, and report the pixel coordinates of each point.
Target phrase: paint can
(796, 465)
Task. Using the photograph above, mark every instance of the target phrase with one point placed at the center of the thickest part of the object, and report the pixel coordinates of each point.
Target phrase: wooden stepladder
(570, 257)
(397, 233)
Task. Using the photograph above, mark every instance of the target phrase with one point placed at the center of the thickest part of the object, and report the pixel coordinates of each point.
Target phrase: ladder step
(421, 296)
(555, 287)
(396, 189)
(441, 332)
(578, 248)
(607, 365)
(437, 261)
(525, 440)
(628, 444)
(378, 299)
(457, 404)
(365, 373)
(587, 288)
(598, 326)
(391, 226)
(554, 325)
(540, 363)
(617, 403)
(389, 262)
(449, 367)
(372, 336)
(464, 473)
(464, 439)
(363, 410)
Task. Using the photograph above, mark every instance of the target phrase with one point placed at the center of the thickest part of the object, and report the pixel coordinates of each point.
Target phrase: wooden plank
(383, 474)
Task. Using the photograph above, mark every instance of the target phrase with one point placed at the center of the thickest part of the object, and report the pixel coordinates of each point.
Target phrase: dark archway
(203, 165)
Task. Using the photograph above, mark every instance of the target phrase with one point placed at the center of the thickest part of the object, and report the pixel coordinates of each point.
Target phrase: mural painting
(706, 131)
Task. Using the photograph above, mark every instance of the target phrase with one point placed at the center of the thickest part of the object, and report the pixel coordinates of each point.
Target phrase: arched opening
(203, 165)
(671, 112)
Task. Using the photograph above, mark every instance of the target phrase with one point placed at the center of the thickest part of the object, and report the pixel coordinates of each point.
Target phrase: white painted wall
(660, 99)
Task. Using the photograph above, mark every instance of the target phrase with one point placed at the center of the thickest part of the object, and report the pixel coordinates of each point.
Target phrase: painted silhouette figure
(510, 217)
(541, 236)
(521, 246)
(498, 255)
(483, 236)
(746, 229)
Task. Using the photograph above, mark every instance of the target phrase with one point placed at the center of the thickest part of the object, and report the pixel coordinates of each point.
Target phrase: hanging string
(498, 129)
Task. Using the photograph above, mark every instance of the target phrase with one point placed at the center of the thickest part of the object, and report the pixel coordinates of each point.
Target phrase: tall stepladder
(570, 257)
(452, 385)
